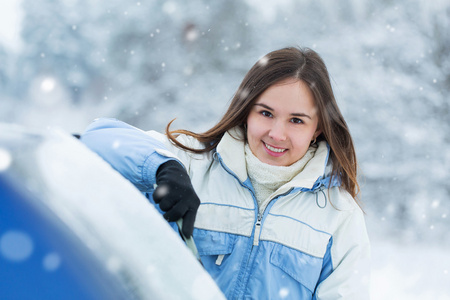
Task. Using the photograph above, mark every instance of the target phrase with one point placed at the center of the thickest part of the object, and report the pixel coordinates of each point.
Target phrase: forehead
(292, 93)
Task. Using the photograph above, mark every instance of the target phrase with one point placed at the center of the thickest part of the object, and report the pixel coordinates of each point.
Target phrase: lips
(274, 151)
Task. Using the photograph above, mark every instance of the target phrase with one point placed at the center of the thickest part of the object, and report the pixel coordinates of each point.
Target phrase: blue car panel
(41, 259)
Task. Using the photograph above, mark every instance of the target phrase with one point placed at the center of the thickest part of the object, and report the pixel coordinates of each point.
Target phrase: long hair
(298, 63)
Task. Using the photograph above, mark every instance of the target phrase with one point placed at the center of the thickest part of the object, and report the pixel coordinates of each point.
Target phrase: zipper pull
(257, 231)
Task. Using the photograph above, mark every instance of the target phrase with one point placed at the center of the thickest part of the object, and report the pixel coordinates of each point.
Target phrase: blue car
(71, 227)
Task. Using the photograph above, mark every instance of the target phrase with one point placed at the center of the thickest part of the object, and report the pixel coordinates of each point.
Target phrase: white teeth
(274, 149)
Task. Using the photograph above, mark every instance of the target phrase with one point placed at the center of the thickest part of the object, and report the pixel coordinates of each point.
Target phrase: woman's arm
(129, 150)
(145, 160)
(348, 262)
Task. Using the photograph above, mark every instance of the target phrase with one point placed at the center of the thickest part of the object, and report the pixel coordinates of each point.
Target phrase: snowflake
(161, 191)
(48, 85)
(16, 245)
(435, 204)
(283, 293)
(116, 144)
(243, 94)
(191, 34)
(5, 159)
(51, 262)
(263, 61)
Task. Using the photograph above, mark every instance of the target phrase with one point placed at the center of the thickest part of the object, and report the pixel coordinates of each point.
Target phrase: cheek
(302, 141)
(253, 129)
(252, 135)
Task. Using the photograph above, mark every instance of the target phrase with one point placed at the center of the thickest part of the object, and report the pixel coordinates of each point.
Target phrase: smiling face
(282, 123)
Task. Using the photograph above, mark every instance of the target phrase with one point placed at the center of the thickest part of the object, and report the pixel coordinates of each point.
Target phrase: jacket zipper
(257, 229)
(258, 222)
(260, 217)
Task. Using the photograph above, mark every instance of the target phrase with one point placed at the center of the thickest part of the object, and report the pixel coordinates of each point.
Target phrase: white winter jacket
(310, 242)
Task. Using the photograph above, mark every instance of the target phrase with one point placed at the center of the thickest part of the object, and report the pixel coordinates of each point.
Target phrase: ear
(317, 133)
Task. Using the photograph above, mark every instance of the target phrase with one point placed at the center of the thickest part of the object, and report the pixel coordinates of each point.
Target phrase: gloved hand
(176, 196)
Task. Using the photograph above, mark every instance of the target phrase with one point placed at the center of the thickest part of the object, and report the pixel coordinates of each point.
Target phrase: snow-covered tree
(56, 47)
(146, 62)
(119, 55)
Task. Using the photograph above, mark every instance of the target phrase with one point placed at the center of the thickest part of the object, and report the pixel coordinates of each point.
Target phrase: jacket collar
(314, 175)
(232, 152)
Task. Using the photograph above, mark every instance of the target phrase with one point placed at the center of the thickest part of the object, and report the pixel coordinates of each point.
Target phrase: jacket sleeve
(132, 152)
(349, 261)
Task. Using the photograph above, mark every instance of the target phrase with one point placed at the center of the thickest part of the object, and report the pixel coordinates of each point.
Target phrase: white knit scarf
(266, 179)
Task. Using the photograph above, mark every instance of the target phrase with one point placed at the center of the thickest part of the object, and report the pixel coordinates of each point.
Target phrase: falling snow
(16, 246)
(284, 293)
(263, 61)
(51, 262)
(187, 61)
(5, 159)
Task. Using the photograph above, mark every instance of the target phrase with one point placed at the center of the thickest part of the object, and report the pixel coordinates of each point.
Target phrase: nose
(278, 132)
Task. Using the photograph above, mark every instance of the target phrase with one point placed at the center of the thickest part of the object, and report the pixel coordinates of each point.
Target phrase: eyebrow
(293, 114)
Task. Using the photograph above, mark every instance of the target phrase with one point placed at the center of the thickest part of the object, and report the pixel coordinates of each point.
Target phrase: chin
(273, 162)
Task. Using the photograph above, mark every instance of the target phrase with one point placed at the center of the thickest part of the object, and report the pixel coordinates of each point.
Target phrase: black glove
(176, 196)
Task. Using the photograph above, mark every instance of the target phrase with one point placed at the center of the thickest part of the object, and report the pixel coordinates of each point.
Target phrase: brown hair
(298, 63)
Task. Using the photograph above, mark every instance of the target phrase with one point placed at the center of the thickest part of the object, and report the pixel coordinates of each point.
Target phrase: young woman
(269, 193)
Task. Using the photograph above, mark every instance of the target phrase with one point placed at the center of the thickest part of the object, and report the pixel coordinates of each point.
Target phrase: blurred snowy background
(64, 63)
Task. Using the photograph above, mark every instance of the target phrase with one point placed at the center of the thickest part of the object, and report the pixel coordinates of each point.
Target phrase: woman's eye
(296, 120)
(265, 113)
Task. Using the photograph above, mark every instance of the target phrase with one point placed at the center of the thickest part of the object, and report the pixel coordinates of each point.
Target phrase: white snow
(409, 271)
